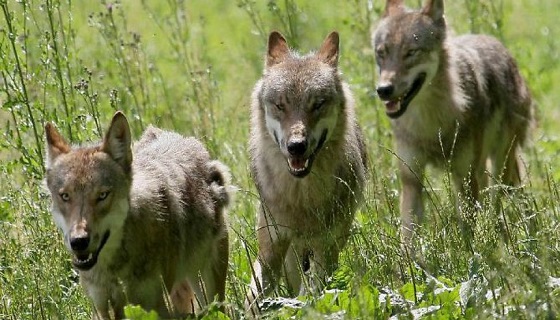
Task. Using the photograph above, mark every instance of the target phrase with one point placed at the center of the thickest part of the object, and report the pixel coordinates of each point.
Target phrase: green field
(190, 66)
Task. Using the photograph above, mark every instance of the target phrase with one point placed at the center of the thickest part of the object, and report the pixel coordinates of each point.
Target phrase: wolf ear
(277, 49)
(117, 142)
(434, 9)
(393, 7)
(56, 145)
(328, 53)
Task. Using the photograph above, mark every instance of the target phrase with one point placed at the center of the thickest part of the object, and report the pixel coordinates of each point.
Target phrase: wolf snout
(80, 242)
(297, 147)
(299, 160)
(385, 91)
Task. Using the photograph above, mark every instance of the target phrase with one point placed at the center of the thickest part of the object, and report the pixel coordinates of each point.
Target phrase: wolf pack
(145, 222)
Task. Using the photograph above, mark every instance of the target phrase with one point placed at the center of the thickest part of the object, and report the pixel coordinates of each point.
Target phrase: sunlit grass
(190, 66)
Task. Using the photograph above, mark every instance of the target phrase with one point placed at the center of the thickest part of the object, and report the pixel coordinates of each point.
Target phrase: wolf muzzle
(396, 106)
(84, 259)
(297, 147)
(299, 164)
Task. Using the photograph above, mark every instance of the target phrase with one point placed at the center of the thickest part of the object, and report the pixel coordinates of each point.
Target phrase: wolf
(309, 164)
(455, 102)
(140, 224)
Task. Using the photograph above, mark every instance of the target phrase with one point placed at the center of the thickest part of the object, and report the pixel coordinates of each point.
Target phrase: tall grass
(190, 66)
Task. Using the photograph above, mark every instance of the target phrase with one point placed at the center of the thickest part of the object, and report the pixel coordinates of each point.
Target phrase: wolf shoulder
(167, 168)
(486, 59)
(485, 48)
(159, 147)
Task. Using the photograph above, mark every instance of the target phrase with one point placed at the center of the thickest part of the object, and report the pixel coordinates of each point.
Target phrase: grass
(190, 66)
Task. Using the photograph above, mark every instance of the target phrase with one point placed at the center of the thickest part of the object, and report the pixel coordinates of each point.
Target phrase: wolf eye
(380, 53)
(64, 196)
(103, 195)
(411, 53)
(279, 106)
(318, 105)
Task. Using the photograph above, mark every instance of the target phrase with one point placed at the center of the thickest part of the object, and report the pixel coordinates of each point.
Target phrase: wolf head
(408, 46)
(89, 189)
(302, 97)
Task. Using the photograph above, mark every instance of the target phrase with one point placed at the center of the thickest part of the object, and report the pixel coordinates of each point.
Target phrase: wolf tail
(219, 180)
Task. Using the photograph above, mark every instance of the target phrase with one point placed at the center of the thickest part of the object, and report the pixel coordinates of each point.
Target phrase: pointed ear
(56, 145)
(328, 53)
(434, 9)
(277, 49)
(117, 142)
(393, 7)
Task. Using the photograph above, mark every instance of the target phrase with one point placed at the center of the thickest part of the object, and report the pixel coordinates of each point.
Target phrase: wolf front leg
(102, 313)
(273, 246)
(214, 276)
(199, 289)
(183, 298)
(412, 207)
(296, 264)
(325, 257)
(220, 268)
(105, 294)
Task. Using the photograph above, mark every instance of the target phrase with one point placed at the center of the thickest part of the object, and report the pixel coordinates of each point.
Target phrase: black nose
(79, 243)
(297, 147)
(385, 92)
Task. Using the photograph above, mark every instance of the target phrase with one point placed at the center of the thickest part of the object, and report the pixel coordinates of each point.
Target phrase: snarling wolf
(308, 161)
(452, 100)
(144, 227)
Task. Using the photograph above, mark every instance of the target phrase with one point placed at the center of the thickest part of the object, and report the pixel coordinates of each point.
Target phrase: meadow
(190, 66)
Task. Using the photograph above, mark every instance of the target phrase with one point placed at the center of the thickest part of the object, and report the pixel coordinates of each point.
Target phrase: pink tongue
(297, 163)
(392, 106)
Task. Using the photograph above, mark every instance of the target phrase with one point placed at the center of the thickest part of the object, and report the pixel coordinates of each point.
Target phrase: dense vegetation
(190, 66)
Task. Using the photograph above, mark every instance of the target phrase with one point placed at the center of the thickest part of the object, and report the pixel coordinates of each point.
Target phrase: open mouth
(396, 107)
(300, 166)
(86, 261)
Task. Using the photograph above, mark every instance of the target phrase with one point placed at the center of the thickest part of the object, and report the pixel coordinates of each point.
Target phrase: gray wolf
(454, 102)
(308, 161)
(141, 224)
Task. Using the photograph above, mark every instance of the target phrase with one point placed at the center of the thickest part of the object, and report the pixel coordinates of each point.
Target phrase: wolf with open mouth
(454, 102)
(138, 228)
(308, 160)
